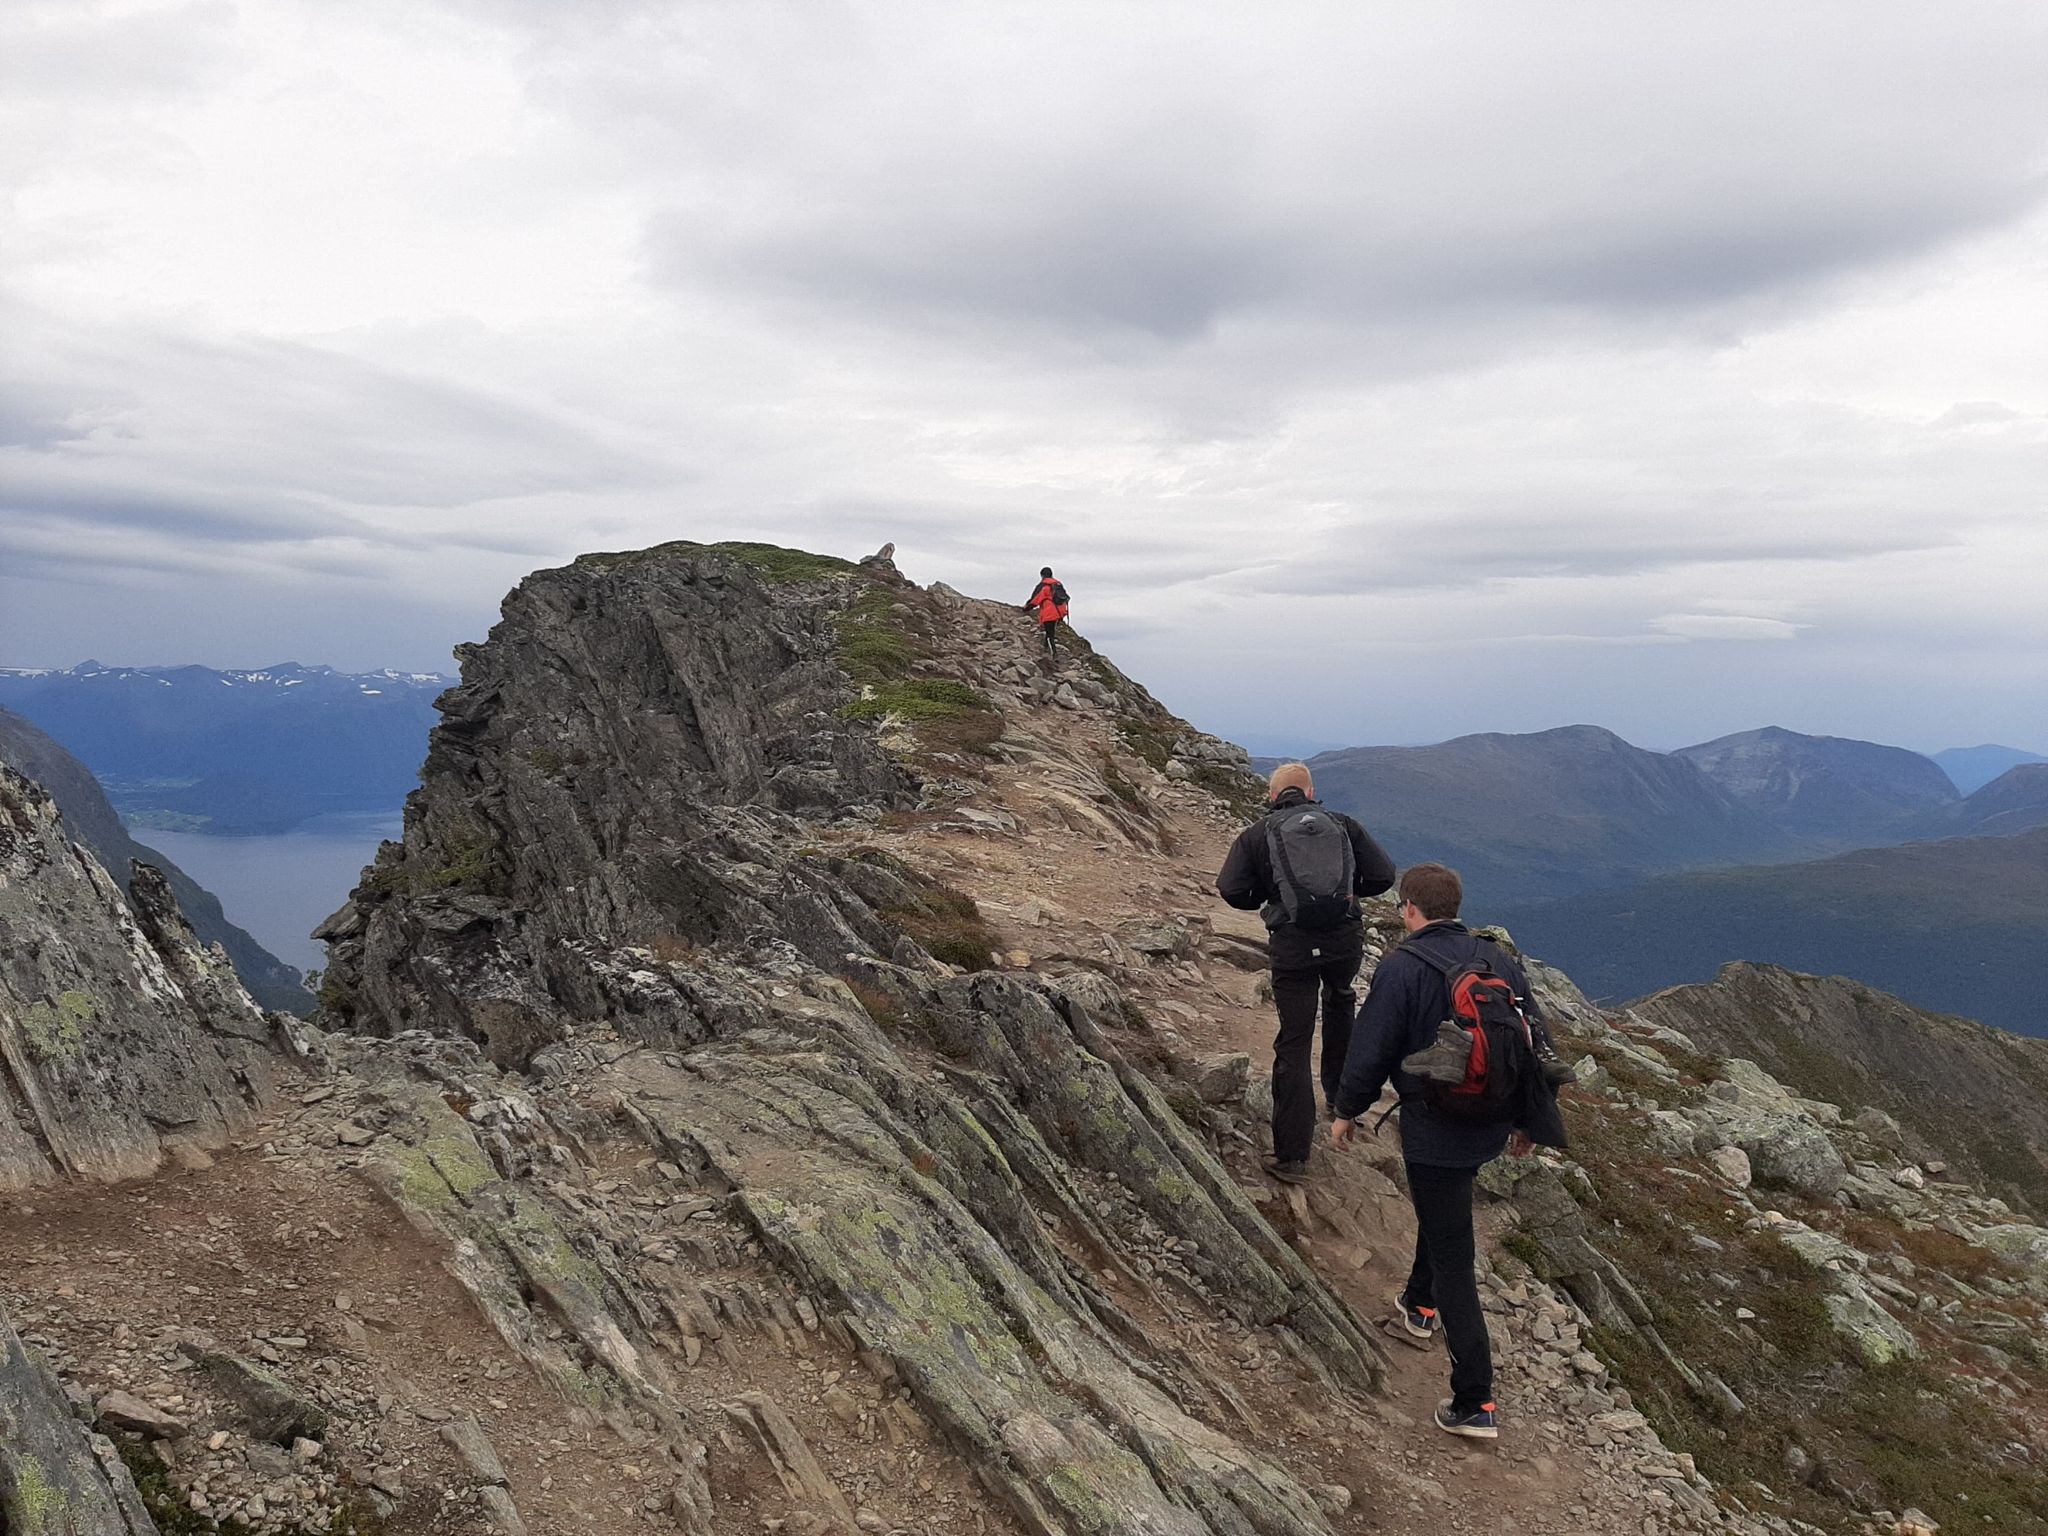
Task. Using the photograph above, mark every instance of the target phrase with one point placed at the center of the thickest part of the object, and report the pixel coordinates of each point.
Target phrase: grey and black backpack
(1312, 868)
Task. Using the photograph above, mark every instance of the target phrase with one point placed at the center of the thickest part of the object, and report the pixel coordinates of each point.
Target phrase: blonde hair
(1290, 776)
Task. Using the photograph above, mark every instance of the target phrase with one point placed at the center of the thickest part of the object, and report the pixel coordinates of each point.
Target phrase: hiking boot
(1287, 1170)
(1480, 1424)
(1556, 1071)
(1419, 1326)
(1445, 1059)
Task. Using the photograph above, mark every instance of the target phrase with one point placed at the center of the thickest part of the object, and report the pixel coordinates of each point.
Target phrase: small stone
(306, 1450)
(1732, 1164)
(123, 1410)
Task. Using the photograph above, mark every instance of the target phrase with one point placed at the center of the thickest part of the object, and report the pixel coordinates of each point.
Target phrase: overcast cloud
(1372, 373)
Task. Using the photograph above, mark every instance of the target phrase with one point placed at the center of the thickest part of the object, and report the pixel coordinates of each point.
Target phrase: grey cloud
(1576, 181)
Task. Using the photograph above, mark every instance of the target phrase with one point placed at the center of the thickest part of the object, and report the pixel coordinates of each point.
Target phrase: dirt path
(1064, 896)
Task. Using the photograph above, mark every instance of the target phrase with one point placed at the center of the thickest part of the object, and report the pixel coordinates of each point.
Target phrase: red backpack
(1499, 1055)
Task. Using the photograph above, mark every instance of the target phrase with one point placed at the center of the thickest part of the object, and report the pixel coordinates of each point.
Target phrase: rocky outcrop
(1972, 1096)
(632, 919)
(56, 1478)
(92, 820)
(119, 1033)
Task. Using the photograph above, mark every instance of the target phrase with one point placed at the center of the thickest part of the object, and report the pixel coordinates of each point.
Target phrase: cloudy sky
(1371, 372)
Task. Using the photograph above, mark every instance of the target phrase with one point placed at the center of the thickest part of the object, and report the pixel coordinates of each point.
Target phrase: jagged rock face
(116, 1035)
(644, 759)
(54, 1475)
(92, 820)
(613, 768)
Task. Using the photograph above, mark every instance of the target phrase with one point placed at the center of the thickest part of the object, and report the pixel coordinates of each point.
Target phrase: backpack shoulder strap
(1421, 952)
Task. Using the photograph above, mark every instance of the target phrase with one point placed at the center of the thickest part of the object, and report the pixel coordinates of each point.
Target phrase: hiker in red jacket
(1048, 605)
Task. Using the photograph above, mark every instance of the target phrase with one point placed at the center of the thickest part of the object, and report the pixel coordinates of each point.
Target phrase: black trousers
(1444, 1278)
(1297, 990)
(1048, 631)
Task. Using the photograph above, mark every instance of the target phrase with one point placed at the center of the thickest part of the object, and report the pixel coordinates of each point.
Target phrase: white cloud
(1724, 626)
(1327, 350)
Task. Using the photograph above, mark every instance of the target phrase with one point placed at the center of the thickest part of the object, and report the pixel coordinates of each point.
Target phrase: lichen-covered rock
(1787, 1147)
(56, 1478)
(118, 1032)
(614, 923)
(1877, 1336)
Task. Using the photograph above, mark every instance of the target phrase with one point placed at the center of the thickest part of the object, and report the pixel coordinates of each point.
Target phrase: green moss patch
(56, 1029)
(919, 699)
(769, 561)
(948, 924)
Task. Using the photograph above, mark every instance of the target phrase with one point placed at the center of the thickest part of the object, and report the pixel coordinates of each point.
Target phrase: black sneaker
(1419, 1326)
(1480, 1424)
(1287, 1171)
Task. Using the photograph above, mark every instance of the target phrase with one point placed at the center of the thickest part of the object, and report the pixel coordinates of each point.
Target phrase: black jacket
(1408, 998)
(1247, 878)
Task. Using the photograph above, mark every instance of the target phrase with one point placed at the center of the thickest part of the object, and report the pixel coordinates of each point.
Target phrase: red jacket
(1048, 601)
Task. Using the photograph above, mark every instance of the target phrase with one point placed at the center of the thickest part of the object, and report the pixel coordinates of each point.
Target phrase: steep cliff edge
(119, 1033)
(92, 820)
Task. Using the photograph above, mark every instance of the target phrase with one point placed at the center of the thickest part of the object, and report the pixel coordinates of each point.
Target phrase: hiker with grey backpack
(1304, 868)
(1449, 1022)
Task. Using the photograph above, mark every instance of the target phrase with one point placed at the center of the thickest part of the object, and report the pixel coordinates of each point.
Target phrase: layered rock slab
(612, 885)
(119, 1032)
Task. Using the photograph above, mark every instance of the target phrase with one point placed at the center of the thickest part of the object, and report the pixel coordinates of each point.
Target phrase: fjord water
(280, 886)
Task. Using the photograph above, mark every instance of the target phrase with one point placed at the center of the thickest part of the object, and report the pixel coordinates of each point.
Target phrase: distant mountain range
(1973, 767)
(1958, 925)
(1556, 811)
(1551, 814)
(1825, 786)
(92, 820)
(235, 752)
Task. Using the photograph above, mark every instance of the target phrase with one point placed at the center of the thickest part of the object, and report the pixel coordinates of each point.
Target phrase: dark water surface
(280, 887)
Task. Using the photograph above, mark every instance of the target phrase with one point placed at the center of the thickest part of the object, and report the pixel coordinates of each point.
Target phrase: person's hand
(1519, 1144)
(1340, 1133)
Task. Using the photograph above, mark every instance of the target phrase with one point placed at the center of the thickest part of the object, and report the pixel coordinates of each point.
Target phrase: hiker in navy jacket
(1310, 965)
(1409, 997)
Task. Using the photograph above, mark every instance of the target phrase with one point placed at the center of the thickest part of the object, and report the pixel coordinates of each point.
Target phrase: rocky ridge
(793, 1075)
(93, 821)
(121, 1038)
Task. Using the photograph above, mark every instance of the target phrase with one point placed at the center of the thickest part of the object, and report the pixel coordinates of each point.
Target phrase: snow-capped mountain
(244, 750)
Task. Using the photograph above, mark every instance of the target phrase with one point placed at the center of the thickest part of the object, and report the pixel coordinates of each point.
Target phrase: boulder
(1786, 1147)
(1731, 1164)
(2025, 1247)
(267, 1406)
(118, 1030)
(1220, 1079)
(1877, 1336)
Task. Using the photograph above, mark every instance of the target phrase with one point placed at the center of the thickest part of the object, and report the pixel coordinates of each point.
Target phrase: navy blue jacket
(1408, 999)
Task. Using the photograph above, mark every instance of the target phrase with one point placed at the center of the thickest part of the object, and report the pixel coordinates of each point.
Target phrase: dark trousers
(1048, 631)
(1296, 992)
(1443, 1277)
